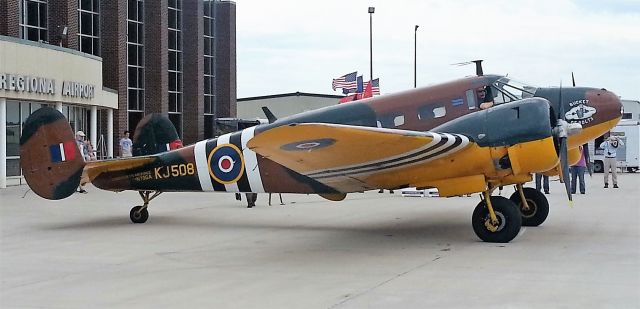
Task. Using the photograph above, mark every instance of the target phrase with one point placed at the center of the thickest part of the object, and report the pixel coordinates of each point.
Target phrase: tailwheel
(140, 214)
(501, 226)
(536, 209)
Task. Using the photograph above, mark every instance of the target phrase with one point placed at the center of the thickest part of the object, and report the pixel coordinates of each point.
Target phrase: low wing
(353, 158)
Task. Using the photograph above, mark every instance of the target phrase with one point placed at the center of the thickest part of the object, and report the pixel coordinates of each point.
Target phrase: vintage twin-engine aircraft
(432, 137)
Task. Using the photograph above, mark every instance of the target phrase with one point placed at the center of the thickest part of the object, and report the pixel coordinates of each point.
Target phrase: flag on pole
(375, 86)
(345, 81)
(354, 89)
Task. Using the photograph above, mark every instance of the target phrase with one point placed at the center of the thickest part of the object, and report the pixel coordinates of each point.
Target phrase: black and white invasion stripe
(249, 181)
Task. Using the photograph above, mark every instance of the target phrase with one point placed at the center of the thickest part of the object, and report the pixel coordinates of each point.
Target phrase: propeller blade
(560, 104)
(561, 133)
(573, 79)
(564, 166)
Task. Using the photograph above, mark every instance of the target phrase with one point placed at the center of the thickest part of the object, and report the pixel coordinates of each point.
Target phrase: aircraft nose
(606, 104)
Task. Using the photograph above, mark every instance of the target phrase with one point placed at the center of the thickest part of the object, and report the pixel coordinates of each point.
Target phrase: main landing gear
(496, 219)
(533, 205)
(140, 214)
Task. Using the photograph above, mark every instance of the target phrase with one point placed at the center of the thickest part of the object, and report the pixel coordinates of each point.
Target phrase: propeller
(562, 131)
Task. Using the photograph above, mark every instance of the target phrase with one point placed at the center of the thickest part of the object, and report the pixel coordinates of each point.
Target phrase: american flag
(356, 89)
(375, 86)
(347, 81)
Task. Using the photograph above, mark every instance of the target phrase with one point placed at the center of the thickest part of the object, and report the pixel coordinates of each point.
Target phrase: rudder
(155, 133)
(49, 156)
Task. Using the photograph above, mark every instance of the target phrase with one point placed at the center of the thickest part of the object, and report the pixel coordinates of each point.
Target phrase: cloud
(286, 46)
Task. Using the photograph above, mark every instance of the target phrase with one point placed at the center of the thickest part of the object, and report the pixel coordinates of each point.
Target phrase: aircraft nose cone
(606, 106)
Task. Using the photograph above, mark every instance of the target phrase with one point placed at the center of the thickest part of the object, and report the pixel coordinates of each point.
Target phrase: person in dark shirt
(485, 99)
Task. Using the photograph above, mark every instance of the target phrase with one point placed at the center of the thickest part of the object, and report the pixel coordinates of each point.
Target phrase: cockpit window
(508, 90)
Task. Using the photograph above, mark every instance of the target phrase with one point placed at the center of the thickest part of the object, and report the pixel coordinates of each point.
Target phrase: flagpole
(415, 56)
(371, 11)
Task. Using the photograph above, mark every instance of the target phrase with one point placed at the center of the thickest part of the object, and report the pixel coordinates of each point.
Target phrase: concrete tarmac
(207, 250)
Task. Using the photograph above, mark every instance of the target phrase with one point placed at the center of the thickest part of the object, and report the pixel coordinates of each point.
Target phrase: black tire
(138, 214)
(598, 167)
(538, 206)
(509, 220)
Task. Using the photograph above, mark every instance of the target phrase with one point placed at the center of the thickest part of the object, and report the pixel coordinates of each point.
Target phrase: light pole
(371, 11)
(415, 56)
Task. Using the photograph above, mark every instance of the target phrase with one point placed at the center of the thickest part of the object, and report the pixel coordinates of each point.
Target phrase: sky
(286, 46)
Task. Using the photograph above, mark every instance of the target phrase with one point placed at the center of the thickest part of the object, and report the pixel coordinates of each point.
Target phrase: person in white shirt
(126, 145)
(610, 147)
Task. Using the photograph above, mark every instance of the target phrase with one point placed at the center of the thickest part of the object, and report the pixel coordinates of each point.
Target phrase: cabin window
(429, 112)
(471, 98)
(425, 112)
(390, 120)
(398, 120)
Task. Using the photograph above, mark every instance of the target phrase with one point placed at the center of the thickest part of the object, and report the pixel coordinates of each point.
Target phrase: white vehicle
(413, 192)
(627, 155)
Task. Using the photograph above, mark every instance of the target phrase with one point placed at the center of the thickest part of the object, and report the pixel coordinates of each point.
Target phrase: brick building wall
(114, 58)
(113, 44)
(63, 14)
(193, 72)
(3, 17)
(226, 87)
(156, 57)
(10, 18)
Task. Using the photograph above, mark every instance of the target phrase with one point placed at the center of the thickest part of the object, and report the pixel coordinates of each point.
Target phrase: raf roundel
(308, 144)
(226, 164)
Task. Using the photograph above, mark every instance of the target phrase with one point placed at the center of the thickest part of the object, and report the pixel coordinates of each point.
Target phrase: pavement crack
(349, 297)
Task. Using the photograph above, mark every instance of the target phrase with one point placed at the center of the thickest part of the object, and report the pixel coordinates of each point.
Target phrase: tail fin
(155, 133)
(49, 156)
(270, 116)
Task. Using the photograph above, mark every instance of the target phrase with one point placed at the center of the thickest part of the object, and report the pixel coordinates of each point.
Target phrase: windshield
(507, 90)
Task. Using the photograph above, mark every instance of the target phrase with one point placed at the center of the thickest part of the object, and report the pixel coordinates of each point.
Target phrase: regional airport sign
(47, 86)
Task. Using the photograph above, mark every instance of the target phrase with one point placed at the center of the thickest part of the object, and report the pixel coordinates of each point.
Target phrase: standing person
(251, 199)
(610, 147)
(126, 145)
(84, 152)
(545, 182)
(577, 171)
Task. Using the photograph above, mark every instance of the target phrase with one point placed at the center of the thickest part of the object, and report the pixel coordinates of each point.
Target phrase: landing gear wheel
(538, 206)
(139, 214)
(508, 225)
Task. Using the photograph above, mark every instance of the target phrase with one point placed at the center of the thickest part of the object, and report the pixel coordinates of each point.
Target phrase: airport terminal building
(105, 64)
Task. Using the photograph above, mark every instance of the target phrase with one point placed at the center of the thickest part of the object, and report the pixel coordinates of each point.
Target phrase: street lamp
(371, 11)
(415, 56)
